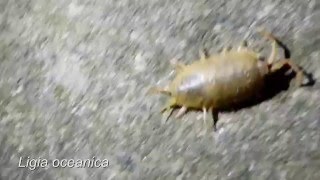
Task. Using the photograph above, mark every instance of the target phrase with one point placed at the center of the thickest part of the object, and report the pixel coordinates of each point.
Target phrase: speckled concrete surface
(74, 76)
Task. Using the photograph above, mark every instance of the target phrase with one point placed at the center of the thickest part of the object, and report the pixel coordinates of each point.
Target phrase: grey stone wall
(73, 77)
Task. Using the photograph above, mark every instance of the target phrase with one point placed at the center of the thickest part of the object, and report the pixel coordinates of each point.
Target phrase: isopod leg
(215, 119)
(243, 46)
(169, 114)
(177, 65)
(214, 116)
(299, 73)
(169, 105)
(225, 49)
(202, 54)
(204, 115)
(181, 112)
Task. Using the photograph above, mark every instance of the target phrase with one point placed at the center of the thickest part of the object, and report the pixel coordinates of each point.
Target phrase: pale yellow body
(218, 82)
(223, 80)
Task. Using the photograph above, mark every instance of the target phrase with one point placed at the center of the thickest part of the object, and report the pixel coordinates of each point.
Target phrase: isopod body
(223, 80)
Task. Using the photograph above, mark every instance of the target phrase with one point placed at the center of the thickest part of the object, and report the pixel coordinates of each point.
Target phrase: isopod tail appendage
(158, 90)
(268, 35)
(274, 43)
(299, 73)
(276, 65)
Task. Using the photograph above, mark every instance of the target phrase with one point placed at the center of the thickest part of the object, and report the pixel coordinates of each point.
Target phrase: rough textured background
(73, 77)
